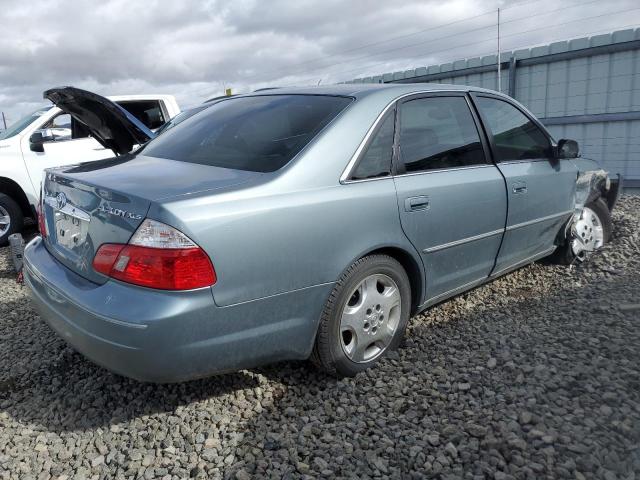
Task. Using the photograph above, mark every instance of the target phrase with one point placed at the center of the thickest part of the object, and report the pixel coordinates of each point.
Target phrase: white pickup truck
(49, 137)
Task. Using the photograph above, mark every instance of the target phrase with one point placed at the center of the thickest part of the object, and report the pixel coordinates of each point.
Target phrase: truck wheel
(594, 227)
(11, 219)
(365, 316)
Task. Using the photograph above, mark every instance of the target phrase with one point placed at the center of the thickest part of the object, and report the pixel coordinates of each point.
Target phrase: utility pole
(499, 86)
(4, 121)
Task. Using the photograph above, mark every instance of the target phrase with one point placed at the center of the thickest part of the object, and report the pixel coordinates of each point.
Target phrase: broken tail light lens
(158, 256)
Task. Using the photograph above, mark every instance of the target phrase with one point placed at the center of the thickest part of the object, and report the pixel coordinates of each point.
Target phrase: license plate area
(71, 231)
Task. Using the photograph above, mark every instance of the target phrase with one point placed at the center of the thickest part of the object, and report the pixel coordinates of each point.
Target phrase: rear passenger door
(451, 198)
(540, 188)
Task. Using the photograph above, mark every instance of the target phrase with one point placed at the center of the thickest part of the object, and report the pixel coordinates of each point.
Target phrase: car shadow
(531, 372)
(550, 363)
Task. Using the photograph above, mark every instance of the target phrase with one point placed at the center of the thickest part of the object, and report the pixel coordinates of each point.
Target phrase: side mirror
(568, 149)
(36, 142)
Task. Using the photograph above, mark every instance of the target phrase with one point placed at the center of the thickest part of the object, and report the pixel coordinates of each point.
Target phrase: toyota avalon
(299, 223)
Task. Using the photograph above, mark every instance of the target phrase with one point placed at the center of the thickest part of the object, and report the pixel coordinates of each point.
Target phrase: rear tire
(11, 218)
(565, 254)
(365, 316)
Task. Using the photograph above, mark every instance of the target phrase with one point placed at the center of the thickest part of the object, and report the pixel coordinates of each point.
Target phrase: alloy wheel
(370, 318)
(588, 231)
(5, 221)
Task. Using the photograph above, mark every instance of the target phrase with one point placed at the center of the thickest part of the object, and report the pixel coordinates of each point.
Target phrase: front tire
(365, 316)
(594, 228)
(11, 218)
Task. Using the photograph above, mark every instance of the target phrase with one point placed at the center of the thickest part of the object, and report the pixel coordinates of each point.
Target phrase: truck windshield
(20, 125)
(259, 133)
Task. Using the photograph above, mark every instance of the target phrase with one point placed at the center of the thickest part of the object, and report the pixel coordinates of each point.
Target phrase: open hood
(108, 122)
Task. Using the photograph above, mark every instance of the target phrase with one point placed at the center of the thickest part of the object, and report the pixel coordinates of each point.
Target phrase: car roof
(361, 90)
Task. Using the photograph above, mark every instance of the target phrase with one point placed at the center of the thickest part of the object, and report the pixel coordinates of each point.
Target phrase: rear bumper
(162, 336)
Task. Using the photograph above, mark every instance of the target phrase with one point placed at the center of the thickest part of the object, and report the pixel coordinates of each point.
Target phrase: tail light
(42, 223)
(157, 256)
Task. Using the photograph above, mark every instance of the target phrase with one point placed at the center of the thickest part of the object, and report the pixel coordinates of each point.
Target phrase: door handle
(413, 204)
(519, 187)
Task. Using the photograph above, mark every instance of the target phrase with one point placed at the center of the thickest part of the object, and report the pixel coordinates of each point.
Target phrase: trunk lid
(108, 122)
(93, 203)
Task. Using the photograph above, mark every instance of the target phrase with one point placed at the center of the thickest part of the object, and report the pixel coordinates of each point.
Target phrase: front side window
(514, 135)
(63, 127)
(376, 160)
(259, 133)
(58, 128)
(437, 133)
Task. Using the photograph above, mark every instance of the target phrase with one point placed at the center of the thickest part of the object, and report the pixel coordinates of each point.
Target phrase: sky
(195, 50)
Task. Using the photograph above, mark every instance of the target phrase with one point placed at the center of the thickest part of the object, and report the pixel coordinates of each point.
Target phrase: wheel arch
(14, 190)
(412, 267)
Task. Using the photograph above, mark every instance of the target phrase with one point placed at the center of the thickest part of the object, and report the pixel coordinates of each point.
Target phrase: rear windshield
(259, 134)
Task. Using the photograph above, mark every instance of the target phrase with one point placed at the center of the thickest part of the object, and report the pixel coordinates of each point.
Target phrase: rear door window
(260, 133)
(149, 112)
(438, 133)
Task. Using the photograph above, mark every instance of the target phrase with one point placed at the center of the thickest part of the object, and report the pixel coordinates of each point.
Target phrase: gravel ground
(536, 375)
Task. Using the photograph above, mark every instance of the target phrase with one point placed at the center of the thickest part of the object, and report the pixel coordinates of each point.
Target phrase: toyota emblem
(61, 200)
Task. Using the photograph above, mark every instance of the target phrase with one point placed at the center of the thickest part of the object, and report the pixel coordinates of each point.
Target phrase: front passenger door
(66, 144)
(451, 198)
(540, 188)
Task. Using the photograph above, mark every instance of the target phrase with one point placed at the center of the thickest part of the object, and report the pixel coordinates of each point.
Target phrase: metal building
(587, 89)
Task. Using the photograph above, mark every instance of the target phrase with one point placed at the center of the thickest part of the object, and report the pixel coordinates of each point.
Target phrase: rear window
(259, 134)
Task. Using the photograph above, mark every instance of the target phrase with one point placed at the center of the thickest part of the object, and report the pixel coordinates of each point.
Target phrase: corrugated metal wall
(587, 89)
